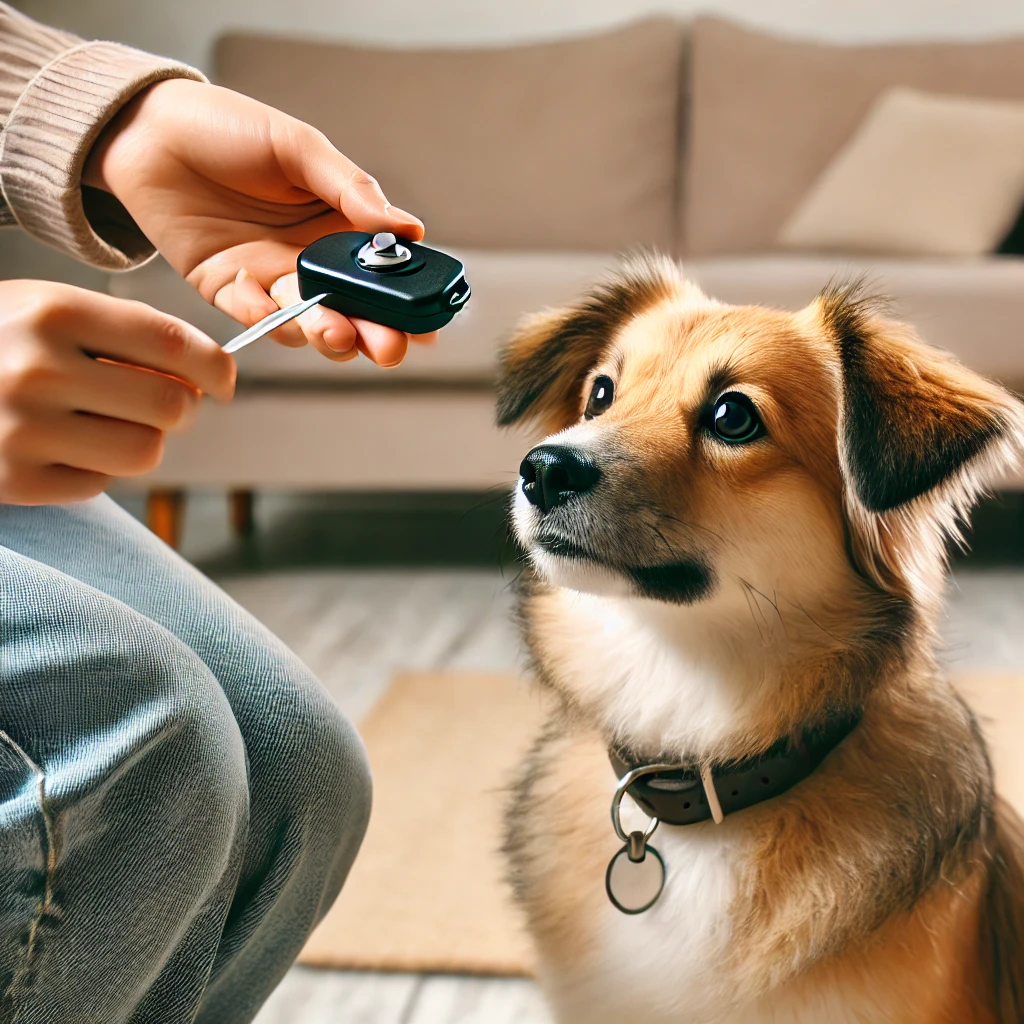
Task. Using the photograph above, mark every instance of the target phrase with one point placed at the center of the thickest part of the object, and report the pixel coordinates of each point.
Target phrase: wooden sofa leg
(240, 505)
(165, 514)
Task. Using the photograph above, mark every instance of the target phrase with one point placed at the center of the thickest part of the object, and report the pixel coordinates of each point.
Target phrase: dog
(736, 533)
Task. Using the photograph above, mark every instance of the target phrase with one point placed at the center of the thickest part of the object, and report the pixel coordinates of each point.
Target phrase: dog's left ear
(913, 418)
(543, 365)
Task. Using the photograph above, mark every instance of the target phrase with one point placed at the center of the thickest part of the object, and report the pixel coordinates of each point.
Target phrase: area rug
(426, 893)
(998, 701)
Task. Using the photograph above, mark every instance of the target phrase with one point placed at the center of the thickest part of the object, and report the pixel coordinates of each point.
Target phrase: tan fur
(887, 879)
(927, 957)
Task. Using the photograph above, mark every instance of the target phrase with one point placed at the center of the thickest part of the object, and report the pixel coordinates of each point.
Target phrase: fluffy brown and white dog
(737, 529)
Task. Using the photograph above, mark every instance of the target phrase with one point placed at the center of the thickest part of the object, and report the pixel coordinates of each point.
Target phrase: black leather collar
(676, 796)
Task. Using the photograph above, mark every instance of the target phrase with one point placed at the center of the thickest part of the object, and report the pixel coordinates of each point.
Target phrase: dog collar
(688, 793)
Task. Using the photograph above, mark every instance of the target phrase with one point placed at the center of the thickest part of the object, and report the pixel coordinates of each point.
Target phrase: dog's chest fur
(600, 964)
(682, 961)
(675, 963)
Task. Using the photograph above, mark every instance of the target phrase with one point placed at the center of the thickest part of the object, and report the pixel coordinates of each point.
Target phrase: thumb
(319, 168)
(365, 205)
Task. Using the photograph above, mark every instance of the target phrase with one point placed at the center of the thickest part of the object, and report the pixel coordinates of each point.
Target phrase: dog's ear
(544, 364)
(913, 420)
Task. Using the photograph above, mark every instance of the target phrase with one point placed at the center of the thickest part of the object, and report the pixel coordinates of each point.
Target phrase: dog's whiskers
(664, 541)
(750, 605)
(813, 621)
(686, 523)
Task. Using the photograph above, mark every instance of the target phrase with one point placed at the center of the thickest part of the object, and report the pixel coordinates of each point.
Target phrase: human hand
(230, 191)
(89, 385)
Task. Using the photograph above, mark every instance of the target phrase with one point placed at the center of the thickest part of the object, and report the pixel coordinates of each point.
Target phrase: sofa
(539, 165)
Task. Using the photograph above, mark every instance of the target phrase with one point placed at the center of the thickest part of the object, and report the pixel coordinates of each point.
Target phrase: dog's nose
(553, 473)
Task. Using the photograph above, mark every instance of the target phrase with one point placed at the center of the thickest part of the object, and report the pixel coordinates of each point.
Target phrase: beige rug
(426, 893)
(998, 701)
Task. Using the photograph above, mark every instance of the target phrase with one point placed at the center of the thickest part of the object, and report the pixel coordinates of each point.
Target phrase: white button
(383, 240)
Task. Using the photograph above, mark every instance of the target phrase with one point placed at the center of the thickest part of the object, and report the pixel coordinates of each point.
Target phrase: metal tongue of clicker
(385, 244)
(382, 252)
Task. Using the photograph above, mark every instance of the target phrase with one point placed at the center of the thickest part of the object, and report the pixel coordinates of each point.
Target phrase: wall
(186, 29)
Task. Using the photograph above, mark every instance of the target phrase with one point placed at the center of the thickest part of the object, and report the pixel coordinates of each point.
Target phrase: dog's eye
(735, 419)
(602, 394)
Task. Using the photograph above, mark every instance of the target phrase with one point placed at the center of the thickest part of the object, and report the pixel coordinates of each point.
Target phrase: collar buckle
(707, 779)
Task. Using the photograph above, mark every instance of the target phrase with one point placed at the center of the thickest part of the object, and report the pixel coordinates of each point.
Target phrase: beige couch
(537, 164)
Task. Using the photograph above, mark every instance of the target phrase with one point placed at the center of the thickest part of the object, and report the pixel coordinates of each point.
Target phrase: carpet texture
(426, 892)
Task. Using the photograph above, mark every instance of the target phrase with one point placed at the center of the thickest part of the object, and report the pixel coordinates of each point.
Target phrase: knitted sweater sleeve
(57, 93)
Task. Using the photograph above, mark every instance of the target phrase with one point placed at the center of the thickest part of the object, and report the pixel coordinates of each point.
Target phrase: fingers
(245, 299)
(311, 162)
(289, 334)
(137, 334)
(129, 393)
(52, 485)
(341, 338)
(96, 444)
(330, 333)
(259, 289)
(89, 385)
(384, 345)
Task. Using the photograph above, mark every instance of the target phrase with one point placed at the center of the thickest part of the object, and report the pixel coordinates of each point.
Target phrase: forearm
(57, 93)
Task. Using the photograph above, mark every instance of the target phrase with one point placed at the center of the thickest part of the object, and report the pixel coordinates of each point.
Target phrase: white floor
(357, 628)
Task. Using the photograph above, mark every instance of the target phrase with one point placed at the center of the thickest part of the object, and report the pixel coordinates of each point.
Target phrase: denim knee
(320, 773)
(158, 714)
(339, 797)
(143, 797)
(169, 766)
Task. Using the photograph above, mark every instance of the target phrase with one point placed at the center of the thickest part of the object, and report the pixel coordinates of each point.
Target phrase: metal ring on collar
(625, 782)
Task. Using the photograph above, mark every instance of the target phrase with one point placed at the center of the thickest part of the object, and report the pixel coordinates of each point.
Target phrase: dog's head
(696, 449)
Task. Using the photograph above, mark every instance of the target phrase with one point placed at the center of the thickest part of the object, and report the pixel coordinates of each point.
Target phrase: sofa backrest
(565, 145)
(766, 115)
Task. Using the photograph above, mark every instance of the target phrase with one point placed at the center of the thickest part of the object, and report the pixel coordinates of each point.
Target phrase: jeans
(180, 801)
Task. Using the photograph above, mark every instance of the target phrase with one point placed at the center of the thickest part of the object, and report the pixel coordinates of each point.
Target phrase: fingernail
(399, 214)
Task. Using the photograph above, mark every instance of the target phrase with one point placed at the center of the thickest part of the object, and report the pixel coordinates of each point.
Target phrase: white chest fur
(666, 677)
(661, 680)
(662, 965)
(670, 964)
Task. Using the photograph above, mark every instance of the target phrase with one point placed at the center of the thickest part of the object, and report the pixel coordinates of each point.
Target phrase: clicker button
(383, 252)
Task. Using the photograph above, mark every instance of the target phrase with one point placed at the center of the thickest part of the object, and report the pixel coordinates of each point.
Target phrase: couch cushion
(566, 145)
(923, 175)
(505, 286)
(972, 308)
(768, 114)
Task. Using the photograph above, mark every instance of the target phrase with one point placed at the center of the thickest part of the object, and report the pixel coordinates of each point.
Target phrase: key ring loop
(625, 782)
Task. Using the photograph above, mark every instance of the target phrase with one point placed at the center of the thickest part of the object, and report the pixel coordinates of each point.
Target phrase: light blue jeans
(180, 801)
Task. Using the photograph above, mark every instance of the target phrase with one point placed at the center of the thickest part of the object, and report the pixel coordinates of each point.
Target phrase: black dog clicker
(404, 285)
(399, 284)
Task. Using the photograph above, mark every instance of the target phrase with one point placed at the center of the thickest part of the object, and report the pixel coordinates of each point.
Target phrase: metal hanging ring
(625, 782)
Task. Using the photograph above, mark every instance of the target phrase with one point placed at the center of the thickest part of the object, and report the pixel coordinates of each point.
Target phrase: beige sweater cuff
(47, 139)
